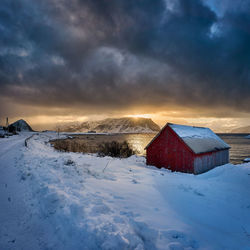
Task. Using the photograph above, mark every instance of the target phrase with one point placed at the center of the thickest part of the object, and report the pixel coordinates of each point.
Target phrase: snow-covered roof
(199, 139)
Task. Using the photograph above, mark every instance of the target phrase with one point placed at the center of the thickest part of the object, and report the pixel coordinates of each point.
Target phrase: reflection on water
(139, 141)
(240, 146)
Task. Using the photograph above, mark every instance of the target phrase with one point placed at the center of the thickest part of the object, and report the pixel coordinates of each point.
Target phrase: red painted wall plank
(169, 151)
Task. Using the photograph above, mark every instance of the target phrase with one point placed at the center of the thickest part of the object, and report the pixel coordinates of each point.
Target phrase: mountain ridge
(21, 125)
(114, 125)
(245, 129)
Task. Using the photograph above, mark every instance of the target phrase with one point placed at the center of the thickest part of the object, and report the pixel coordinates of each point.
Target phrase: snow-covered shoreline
(55, 200)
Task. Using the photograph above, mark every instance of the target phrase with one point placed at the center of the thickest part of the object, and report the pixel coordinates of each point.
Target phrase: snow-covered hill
(21, 125)
(115, 125)
(54, 200)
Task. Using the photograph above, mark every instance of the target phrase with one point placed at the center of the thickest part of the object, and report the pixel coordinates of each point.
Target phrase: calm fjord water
(240, 145)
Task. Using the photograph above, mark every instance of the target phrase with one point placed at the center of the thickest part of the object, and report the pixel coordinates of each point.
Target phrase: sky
(183, 61)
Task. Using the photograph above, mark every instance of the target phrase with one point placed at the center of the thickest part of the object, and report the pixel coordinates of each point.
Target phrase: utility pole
(7, 123)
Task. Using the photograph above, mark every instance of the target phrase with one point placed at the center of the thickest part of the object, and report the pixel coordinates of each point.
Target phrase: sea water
(240, 145)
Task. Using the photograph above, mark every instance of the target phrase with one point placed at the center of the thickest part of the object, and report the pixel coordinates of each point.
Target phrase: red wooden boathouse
(187, 149)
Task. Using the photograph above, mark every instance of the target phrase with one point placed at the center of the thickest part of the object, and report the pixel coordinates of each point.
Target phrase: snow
(21, 125)
(54, 200)
(199, 139)
(2, 132)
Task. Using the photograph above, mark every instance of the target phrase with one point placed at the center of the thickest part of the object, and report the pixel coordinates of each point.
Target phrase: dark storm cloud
(117, 54)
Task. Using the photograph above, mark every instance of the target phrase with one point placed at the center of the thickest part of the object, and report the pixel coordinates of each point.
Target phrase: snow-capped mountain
(21, 125)
(114, 125)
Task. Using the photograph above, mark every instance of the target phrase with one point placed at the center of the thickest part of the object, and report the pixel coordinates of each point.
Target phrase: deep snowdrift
(53, 200)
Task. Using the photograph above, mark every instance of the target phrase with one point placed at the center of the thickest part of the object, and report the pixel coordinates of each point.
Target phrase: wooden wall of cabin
(207, 161)
(169, 151)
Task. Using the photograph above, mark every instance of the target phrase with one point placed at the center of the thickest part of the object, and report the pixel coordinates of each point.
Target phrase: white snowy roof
(199, 139)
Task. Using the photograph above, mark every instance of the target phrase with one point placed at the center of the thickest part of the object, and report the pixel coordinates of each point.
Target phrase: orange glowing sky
(43, 118)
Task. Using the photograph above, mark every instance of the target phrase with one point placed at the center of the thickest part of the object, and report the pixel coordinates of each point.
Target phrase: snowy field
(54, 200)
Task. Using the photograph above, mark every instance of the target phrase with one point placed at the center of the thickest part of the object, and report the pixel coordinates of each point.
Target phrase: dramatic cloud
(118, 54)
